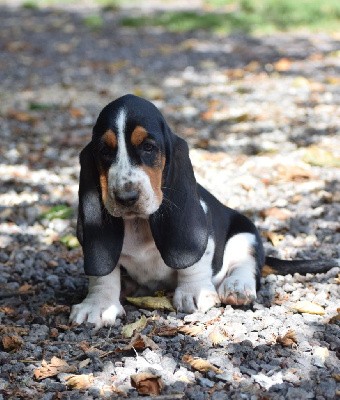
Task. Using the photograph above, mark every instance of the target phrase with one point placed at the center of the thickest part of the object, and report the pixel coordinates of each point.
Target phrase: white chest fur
(141, 258)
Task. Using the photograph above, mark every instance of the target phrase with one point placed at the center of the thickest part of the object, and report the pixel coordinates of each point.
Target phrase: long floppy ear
(179, 226)
(100, 234)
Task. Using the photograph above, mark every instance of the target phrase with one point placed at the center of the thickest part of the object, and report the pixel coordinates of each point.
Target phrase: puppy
(141, 208)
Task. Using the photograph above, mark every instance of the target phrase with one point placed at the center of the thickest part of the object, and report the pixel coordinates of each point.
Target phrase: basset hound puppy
(141, 208)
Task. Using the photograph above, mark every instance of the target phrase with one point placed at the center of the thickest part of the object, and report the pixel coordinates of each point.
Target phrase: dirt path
(262, 118)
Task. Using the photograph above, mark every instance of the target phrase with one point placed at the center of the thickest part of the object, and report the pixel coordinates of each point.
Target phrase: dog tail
(283, 267)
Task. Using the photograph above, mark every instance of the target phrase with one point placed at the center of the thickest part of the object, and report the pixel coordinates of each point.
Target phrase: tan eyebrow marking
(138, 135)
(110, 138)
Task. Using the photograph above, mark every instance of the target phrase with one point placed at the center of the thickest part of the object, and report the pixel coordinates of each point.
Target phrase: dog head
(129, 148)
(135, 167)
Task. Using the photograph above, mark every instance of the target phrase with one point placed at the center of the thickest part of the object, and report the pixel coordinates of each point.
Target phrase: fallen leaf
(191, 330)
(55, 367)
(336, 318)
(200, 364)
(47, 309)
(90, 350)
(278, 298)
(70, 241)
(21, 116)
(294, 173)
(283, 65)
(84, 363)
(288, 340)
(129, 330)
(278, 213)
(13, 330)
(25, 288)
(8, 310)
(140, 342)
(308, 307)
(274, 238)
(217, 336)
(155, 303)
(80, 382)
(60, 211)
(147, 384)
(320, 157)
(166, 331)
(76, 112)
(12, 343)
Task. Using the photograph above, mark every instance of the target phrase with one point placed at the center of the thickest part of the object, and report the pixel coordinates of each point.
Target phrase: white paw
(96, 311)
(189, 298)
(237, 290)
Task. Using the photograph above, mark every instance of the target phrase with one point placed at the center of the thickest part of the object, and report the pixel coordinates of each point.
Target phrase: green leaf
(60, 211)
(70, 241)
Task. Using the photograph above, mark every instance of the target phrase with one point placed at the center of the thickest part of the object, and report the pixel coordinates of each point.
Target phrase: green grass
(250, 16)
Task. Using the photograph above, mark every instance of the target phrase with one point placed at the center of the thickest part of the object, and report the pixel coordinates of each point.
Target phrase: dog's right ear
(100, 234)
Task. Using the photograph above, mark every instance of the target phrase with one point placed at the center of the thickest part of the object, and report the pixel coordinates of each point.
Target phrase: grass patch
(250, 16)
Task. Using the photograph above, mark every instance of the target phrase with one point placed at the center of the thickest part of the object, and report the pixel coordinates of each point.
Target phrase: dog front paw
(97, 311)
(190, 298)
(237, 290)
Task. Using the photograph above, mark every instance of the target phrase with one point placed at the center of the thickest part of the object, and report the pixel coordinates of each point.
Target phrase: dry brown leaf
(308, 307)
(13, 330)
(8, 310)
(166, 331)
(80, 382)
(76, 112)
(277, 213)
(90, 350)
(129, 330)
(25, 288)
(21, 116)
(12, 343)
(283, 65)
(200, 364)
(279, 298)
(147, 384)
(336, 377)
(217, 336)
(155, 303)
(140, 342)
(336, 318)
(273, 237)
(191, 330)
(84, 363)
(294, 173)
(55, 367)
(47, 309)
(288, 340)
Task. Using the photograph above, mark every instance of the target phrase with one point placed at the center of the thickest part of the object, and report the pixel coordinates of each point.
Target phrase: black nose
(127, 198)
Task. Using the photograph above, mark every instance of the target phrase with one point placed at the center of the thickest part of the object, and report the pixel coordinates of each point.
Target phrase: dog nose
(127, 198)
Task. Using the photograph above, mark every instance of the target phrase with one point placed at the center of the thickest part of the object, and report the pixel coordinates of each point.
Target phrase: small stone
(320, 354)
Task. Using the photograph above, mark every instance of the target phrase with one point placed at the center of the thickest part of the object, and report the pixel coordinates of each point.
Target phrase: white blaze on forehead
(122, 154)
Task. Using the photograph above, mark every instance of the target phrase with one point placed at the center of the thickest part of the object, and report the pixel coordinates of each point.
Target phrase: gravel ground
(261, 116)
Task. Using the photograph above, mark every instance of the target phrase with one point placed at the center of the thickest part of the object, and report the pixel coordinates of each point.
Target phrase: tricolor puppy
(140, 207)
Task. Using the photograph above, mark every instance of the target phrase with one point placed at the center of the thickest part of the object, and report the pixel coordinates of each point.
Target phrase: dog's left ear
(179, 226)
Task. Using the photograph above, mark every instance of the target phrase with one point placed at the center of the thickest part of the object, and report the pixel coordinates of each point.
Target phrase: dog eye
(148, 147)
